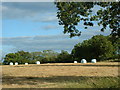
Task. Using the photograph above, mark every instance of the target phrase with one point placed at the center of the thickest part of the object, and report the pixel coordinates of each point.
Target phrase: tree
(36, 56)
(49, 55)
(21, 57)
(116, 44)
(11, 57)
(64, 56)
(71, 13)
(98, 47)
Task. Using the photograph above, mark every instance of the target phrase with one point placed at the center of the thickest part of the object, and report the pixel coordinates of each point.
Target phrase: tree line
(99, 47)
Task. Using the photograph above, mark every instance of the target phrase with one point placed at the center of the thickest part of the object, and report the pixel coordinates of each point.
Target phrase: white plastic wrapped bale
(16, 63)
(11, 63)
(38, 62)
(26, 63)
(75, 61)
(93, 61)
(83, 61)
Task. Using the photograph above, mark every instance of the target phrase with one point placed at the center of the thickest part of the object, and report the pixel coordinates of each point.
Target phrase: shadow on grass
(94, 81)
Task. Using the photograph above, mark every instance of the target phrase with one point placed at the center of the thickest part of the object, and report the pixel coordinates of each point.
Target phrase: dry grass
(57, 74)
(62, 69)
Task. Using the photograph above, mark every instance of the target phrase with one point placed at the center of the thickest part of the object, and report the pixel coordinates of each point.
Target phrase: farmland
(61, 75)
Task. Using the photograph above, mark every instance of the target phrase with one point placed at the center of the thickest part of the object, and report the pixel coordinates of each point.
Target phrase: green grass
(64, 82)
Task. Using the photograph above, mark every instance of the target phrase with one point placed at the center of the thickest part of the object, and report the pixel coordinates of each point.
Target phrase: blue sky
(33, 26)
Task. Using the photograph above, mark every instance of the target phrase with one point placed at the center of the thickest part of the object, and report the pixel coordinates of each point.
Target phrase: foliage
(11, 57)
(64, 56)
(20, 57)
(98, 47)
(50, 56)
(116, 43)
(71, 13)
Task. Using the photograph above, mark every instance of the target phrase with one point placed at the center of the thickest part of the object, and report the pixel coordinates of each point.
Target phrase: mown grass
(63, 82)
(62, 75)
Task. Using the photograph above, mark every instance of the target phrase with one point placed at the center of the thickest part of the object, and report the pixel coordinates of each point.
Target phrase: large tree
(98, 47)
(21, 57)
(71, 13)
(11, 57)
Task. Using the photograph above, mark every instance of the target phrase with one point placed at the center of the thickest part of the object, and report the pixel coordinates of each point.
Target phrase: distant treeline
(99, 47)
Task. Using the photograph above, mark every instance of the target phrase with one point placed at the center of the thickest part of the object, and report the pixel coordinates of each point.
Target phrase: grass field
(61, 75)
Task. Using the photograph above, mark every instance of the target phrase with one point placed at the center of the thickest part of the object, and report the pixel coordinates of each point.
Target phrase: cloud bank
(29, 10)
(38, 43)
(46, 42)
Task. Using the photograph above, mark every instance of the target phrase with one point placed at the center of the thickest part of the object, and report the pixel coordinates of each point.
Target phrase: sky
(33, 26)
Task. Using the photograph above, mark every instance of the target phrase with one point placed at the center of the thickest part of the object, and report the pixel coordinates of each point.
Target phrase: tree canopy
(71, 13)
(98, 47)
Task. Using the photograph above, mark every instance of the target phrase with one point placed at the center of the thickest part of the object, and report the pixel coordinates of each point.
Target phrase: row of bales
(16, 63)
(85, 61)
(38, 62)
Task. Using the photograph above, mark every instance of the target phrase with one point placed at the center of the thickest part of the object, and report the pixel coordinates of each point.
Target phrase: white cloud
(25, 10)
(50, 19)
(37, 43)
(15, 13)
(48, 27)
(46, 18)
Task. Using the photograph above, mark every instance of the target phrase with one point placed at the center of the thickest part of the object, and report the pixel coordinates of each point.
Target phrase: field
(61, 75)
